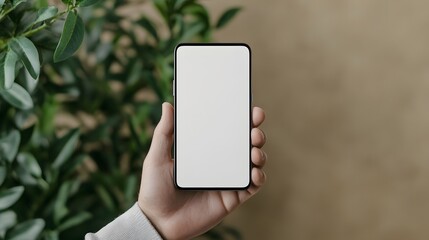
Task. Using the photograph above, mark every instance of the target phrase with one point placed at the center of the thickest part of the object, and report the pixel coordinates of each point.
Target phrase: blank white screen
(212, 105)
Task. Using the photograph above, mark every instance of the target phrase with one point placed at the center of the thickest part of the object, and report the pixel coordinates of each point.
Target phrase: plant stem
(3, 44)
(35, 30)
(43, 26)
(5, 13)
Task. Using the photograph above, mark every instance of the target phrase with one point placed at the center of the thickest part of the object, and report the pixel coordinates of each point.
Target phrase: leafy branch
(75, 127)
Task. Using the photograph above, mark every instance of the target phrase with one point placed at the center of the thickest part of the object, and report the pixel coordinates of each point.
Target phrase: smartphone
(212, 116)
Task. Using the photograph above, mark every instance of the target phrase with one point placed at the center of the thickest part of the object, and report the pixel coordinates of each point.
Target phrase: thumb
(162, 140)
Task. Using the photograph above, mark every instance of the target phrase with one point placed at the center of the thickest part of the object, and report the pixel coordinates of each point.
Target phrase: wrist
(152, 219)
(162, 224)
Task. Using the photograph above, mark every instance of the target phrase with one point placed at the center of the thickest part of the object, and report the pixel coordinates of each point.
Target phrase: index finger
(258, 116)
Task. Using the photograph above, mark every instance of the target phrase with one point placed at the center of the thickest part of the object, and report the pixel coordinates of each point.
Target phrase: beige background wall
(345, 85)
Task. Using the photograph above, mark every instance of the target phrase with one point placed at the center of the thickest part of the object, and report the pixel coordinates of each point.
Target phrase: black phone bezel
(175, 112)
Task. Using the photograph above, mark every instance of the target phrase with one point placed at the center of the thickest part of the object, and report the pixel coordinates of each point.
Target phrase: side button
(173, 86)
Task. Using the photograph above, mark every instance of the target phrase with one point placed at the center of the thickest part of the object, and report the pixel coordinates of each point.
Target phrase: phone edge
(250, 117)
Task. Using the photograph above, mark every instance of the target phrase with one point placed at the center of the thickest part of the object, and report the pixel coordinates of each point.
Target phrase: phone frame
(175, 117)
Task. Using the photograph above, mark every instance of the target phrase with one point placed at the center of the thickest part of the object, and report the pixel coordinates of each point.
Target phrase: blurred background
(345, 86)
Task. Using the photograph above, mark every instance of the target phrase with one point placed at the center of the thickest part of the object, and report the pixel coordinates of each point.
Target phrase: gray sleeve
(131, 225)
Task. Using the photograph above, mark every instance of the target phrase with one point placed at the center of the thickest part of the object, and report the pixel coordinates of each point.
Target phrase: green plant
(74, 129)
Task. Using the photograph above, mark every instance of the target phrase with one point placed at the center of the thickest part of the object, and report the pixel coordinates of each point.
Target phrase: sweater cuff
(132, 225)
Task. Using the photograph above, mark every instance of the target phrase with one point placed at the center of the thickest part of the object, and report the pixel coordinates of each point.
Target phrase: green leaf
(28, 54)
(64, 147)
(60, 209)
(28, 230)
(149, 26)
(51, 175)
(7, 69)
(192, 30)
(18, 97)
(46, 117)
(74, 221)
(227, 16)
(198, 11)
(134, 127)
(30, 83)
(161, 6)
(10, 196)
(28, 160)
(7, 220)
(105, 197)
(2, 175)
(15, 4)
(134, 72)
(27, 133)
(51, 235)
(9, 145)
(179, 4)
(71, 165)
(102, 131)
(29, 170)
(41, 3)
(71, 38)
(45, 14)
(18, 2)
(86, 3)
(22, 118)
(130, 188)
(103, 50)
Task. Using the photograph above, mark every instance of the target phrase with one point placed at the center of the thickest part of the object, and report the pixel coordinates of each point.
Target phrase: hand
(185, 214)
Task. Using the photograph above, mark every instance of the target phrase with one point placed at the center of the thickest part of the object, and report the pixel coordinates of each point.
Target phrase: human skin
(178, 214)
